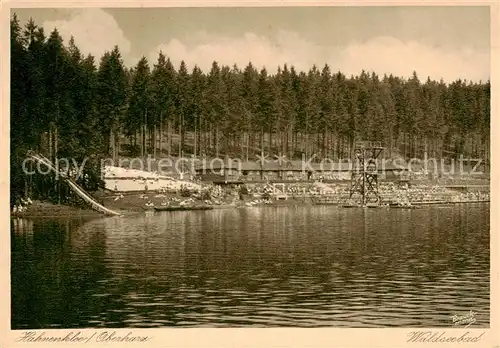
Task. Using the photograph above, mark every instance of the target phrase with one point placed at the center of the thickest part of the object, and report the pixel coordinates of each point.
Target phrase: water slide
(73, 185)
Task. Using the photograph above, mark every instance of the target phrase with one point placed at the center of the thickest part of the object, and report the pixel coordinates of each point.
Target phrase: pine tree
(327, 121)
(312, 111)
(163, 94)
(215, 105)
(35, 82)
(288, 105)
(267, 109)
(112, 84)
(138, 117)
(18, 124)
(248, 92)
(196, 107)
(181, 104)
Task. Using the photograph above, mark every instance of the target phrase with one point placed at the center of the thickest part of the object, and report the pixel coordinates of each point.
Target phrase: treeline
(65, 104)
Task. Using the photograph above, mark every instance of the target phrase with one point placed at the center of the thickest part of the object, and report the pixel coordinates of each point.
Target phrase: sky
(438, 42)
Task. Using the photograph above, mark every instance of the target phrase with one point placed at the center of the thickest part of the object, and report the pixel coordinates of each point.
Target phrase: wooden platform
(181, 208)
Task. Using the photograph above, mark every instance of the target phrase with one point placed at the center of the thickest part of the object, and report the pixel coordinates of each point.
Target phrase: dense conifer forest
(66, 104)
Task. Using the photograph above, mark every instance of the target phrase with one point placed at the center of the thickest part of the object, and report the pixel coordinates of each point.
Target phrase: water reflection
(272, 266)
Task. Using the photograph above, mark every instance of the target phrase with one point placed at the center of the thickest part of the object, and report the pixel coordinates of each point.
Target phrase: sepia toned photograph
(206, 167)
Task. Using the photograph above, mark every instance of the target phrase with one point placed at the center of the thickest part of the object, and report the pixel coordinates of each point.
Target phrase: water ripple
(264, 267)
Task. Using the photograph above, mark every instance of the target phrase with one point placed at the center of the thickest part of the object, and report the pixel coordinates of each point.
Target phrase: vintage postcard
(227, 175)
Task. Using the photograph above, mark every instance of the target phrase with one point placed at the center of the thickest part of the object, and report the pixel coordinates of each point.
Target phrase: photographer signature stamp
(466, 319)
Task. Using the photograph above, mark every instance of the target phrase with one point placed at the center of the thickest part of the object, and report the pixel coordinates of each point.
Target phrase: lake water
(269, 266)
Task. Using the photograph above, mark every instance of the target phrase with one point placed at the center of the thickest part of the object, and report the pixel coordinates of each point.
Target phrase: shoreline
(251, 194)
(42, 209)
(48, 210)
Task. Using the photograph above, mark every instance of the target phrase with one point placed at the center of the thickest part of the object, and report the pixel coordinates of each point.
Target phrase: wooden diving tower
(364, 173)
